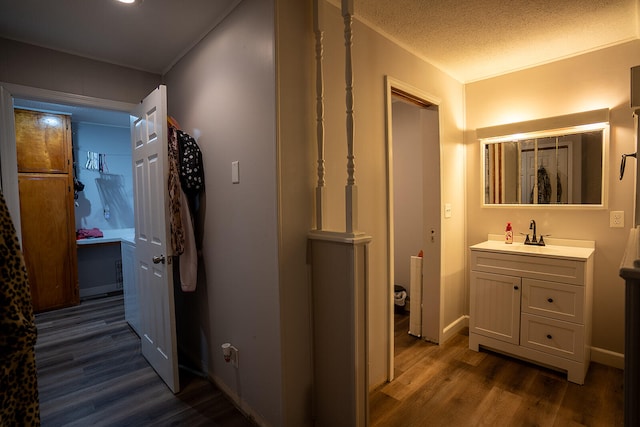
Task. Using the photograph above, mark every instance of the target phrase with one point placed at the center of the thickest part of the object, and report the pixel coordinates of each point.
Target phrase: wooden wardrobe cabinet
(45, 179)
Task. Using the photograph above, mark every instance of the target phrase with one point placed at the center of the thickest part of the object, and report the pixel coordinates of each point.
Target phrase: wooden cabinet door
(494, 306)
(48, 240)
(43, 142)
(45, 183)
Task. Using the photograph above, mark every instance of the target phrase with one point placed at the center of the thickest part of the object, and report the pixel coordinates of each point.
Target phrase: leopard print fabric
(175, 204)
(19, 404)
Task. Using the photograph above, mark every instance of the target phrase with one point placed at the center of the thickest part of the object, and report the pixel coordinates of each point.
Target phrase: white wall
(375, 57)
(112, 188)
(591, 81)
(223, 92)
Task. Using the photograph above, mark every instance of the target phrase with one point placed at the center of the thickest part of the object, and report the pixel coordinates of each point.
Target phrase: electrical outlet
(616, 219)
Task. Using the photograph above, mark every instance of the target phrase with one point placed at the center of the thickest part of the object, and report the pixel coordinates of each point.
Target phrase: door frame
(9, 160)
(395, 86)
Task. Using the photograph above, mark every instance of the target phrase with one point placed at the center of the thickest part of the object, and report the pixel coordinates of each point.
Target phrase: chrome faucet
(534, 239)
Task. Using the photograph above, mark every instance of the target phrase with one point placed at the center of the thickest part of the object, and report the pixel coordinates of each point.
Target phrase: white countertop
(568, 249)
(110, 236)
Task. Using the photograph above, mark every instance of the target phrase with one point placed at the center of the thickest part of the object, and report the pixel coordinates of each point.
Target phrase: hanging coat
(19, 404)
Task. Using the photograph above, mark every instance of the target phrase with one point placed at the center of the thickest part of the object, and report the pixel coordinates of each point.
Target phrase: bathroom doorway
(413, 185)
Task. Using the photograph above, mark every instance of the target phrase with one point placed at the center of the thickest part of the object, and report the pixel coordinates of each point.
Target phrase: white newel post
(351, 191)
(320, 189)
(339, 277)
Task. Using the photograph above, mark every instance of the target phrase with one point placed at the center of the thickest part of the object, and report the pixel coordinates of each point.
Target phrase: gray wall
(29, 65)
(223, 93)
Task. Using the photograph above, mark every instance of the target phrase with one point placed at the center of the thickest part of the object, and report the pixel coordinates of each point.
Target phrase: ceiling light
(127, 1)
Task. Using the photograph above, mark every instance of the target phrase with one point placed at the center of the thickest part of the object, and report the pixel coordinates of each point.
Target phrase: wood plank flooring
(450, 385)
(91, 373)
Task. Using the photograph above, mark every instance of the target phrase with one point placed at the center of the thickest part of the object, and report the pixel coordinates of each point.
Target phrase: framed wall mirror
(557, 161)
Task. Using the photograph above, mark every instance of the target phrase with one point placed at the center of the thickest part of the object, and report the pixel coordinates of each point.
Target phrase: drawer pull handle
(550, 300)
(516, 287)
(549, 336)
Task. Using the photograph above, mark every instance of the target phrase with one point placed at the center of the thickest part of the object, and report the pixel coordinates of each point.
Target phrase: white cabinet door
(129, 286)
(495, 306)
(153, 269)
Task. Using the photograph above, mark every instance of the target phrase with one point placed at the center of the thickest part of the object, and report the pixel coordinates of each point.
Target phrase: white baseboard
(454, 327)
(606, 357)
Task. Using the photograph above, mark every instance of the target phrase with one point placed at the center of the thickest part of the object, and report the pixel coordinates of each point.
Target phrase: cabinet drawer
(555, 300)
(534, 267)
(553, 337)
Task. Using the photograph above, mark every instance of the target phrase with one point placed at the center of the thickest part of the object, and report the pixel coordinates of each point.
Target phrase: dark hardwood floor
(450, 385)
(91, 373)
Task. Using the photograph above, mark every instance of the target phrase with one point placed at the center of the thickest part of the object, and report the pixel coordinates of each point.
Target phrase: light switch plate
(616, 219)
(235, 172)
(447, 210)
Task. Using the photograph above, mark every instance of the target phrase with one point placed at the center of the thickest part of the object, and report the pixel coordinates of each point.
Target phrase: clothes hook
(623, 163)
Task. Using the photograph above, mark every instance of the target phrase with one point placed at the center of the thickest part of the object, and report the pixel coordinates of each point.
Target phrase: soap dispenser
(508, 234)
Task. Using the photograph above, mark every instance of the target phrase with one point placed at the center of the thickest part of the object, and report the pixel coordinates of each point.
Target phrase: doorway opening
(103, 191)
(413, 203)
(8, 94)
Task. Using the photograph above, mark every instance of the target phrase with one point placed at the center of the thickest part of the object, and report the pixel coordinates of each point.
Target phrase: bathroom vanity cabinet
(534, 303)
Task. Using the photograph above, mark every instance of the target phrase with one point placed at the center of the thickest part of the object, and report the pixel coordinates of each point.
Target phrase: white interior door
(154, 270)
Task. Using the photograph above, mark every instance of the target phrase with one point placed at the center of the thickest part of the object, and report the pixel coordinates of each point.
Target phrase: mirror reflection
(553, 169)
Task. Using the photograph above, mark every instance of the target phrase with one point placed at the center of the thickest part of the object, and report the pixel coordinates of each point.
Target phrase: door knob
(158, 259)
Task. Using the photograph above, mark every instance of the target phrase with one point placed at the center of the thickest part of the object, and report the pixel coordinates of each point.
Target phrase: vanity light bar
(584, 121)
(547, 133)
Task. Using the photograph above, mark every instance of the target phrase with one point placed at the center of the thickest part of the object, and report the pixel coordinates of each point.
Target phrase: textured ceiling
(476, 39)
(469, 39)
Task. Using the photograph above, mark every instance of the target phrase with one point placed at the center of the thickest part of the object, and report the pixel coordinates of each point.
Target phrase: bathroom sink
(533, 249)
(581, 249)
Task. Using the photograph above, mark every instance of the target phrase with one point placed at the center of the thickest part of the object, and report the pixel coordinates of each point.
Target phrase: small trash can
(399, 299)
